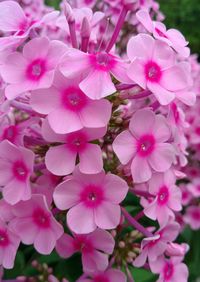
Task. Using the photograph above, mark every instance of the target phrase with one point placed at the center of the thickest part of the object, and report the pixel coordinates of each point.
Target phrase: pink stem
(136, 224)
(38, 167)
(124, 86)
(139, 215)
(117, 29)
(141, 95)
(140, 193)
(72, 30)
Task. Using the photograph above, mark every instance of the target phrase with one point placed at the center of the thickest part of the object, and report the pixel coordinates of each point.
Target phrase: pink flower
(68, 108)
(155, 246)
(14, 20)
(167, 197)
(194, 187)
(35, 224)
(97, 68)
(94, 247)
(95, 197)
(170, 270)
(34, 68)
(16, 166)
(192, 217)
(9, 243)
(61, 159)
(172, 36)
(153, 67)
(144, 145)
(110, 275)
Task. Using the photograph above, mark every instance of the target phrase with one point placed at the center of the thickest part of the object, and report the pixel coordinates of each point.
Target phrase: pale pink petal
(13, 192)
(56, 50)
(11, 16)
(64, 121)
(115, 188)
(175, 199)
(151, 210)
(187, 97)
(162, 158)
(81, 224)
(49, 135)
(161, 130)
(45, 100)
(60, 160)
(119, 71)
(13, 71)
(93, 87)
(142, 122)
(163, 96)
(137, 73)
(174, 79)
(124, 146)
(6, 174)
(66, 194)
(140, 46)
(102, 240)
(145, 19)
(36, 48)
(92, 115)
(9, 257)
(25, 229)
(74, 63)
(95, 261)
(141, 259)
(91, 161)
(140, 175)
(45, 241)
(163, 55)
(115, 275)
(107, 215)
(95, 133)
(65, 246)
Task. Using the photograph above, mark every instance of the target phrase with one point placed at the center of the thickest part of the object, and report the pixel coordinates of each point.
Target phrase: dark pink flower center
(101, 278)
(74, 99)
(41, 218)
(10, 133)
(152, 72)
(4, 240)
(145, 145)
(81, 242)
(102, 61)
(160, 33)
(168, 271)
(36, 69)
(196, 214)
(76, 142)
(163, 195)
(197, 130)
(20, 171)
(92, 196)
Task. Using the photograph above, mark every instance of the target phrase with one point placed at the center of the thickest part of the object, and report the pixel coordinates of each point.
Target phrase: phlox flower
(14, 20)
(68, 108)
(170, 270)
(145, 145)
(35, 224)
(110, 275)
(33, 68)
(61, 159)
(172, 37)
(9, 243)
(153, 66)
(94, 248)
(192, 217)
(194, 187)
(92, 199)
(97, 69)
(153, 247)
(16, 166)
(167, 197)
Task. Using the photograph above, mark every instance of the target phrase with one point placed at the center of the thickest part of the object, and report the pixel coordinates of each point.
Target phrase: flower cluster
(95, 111)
